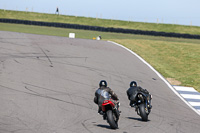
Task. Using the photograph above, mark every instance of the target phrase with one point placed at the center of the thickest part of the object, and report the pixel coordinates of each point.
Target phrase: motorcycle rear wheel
(112, 120)
(143, 113)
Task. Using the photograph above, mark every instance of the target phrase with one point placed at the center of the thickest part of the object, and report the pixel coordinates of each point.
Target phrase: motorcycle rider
(102, 94)
(132, 93)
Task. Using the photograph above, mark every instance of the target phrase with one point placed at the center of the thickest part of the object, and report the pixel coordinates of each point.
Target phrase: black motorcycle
(143, 105)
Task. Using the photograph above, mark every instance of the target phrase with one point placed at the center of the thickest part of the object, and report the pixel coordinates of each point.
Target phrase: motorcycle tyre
(113, 124)
(143, 113)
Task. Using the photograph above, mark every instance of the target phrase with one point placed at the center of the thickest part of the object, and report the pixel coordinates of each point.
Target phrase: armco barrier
(97, 28)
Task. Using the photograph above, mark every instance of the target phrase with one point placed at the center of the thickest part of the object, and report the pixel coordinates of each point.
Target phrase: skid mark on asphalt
(36, 86)
(45, 96)
(51, 64)
(84, 125)
(58, 92)
(97, 70)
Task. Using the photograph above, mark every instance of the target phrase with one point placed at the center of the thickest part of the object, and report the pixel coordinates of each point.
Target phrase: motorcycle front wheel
(143, 113)
(112, 120)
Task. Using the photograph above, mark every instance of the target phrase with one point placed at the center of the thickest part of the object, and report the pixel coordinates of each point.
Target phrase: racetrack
(47, 85)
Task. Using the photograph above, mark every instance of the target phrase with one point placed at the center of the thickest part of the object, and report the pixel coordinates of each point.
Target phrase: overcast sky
(184, 12)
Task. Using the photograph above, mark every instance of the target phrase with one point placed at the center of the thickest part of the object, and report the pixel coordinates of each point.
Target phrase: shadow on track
(139, 119)
(104, 126)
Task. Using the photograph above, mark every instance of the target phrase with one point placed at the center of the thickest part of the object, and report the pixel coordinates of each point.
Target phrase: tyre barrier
(102, 29)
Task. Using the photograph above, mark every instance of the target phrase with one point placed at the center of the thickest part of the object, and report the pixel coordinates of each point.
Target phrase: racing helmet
(102, 83)
(133, 83)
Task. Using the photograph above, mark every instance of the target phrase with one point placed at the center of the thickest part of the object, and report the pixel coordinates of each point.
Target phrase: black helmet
(102, 83)
(133, 83)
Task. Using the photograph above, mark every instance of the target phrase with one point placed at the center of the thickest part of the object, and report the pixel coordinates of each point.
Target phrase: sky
(182, 12)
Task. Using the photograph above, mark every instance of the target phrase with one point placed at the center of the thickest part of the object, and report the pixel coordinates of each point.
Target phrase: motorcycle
(111, 113)
(143, 105)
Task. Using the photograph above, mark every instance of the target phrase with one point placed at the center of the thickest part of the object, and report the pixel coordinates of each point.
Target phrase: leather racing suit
(104, 93)
(132, 93)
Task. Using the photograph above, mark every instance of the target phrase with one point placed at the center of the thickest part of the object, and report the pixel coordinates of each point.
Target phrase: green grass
(99, 22)
(172, 57)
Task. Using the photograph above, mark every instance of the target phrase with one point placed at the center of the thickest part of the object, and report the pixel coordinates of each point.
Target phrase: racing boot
(100, 111)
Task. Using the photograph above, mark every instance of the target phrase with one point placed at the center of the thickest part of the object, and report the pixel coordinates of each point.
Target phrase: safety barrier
(97, 28)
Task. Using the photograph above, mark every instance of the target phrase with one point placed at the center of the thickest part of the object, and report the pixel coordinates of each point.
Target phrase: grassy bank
(172, 57)
(99, 22)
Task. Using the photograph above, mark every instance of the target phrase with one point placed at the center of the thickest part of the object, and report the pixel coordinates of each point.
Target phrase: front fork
(116, 112)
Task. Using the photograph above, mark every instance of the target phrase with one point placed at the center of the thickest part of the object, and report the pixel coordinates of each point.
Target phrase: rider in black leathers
(100, 97)
(132, 93)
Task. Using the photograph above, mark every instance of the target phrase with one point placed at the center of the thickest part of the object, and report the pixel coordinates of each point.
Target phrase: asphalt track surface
(47, 85)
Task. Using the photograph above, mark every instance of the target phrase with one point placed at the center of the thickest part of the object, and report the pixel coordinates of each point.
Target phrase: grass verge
(172, 57)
